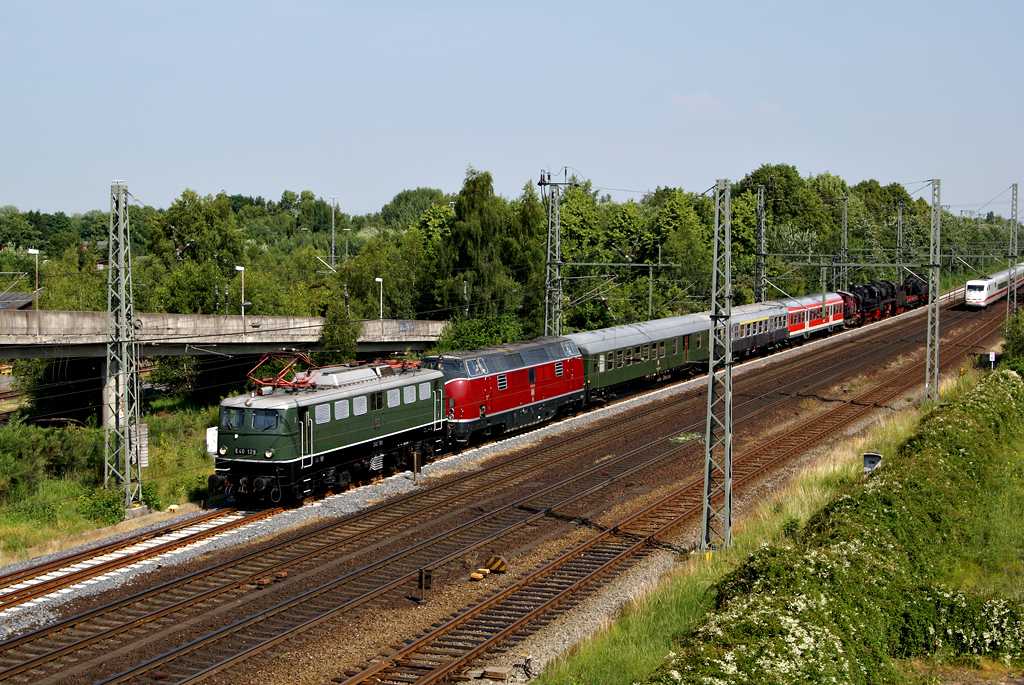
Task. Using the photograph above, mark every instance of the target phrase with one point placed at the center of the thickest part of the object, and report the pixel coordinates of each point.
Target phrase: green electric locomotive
(326, 427)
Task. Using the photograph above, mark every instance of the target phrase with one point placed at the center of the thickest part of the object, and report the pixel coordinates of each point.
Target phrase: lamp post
(242, 269)
(381, 281)
(35, 295)
(334, 209)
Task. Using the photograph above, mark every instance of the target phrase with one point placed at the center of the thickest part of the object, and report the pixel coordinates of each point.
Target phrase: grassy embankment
(842, 579)
(51, 480)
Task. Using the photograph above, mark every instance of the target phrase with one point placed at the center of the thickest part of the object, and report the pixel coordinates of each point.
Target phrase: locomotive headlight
(222, 450)
(269, 454)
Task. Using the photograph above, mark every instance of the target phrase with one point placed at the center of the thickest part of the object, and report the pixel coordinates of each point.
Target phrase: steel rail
(214, 638)
(521, 606)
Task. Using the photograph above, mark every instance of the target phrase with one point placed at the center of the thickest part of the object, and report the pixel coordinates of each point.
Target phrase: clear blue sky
(365, 99)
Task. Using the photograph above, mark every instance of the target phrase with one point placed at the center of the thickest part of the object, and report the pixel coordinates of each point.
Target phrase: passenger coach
(641, 351)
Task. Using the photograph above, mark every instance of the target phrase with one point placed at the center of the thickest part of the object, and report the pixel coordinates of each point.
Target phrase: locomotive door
(438, 408)
(306, 437)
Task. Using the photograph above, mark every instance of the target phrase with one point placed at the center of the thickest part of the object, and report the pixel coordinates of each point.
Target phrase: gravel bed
(37, 613)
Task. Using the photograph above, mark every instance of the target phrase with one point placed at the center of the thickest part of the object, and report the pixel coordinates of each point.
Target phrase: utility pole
(334, 210)
(899, 240)
(553, 258)
(717, 530)
(1011, 298)
(931, 369)
(844, 270)
(760, 259)
(122, 406)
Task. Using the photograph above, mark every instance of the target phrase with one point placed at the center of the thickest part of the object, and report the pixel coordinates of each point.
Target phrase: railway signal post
(717, 529)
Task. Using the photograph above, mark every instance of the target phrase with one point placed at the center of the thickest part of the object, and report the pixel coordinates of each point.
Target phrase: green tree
(73, 284)
(469, 259)
(17, 231)
(406, 208)
(470, 333)
(197, 229)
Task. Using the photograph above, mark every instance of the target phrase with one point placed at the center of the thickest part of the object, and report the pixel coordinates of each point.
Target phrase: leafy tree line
(477, 255)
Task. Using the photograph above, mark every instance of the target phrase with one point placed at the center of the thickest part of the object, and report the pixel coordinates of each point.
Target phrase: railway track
(39, 580)
(452, 649)
(258, 632)
(45, 656)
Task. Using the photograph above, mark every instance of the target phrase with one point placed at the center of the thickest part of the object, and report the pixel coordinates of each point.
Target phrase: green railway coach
(641, 352)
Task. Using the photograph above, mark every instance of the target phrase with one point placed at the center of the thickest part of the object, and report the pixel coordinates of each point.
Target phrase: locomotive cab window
(265, 419)
(232, 418)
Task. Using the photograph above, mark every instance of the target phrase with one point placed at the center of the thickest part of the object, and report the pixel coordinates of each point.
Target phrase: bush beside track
(861, 584)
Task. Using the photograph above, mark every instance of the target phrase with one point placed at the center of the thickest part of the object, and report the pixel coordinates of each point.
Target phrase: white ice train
(984, 291)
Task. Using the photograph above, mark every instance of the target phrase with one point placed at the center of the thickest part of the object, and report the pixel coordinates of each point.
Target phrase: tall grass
(649, 629)
(51, 481)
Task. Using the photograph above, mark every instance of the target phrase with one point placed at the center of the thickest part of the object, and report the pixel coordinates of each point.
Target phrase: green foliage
(176, 375)
(1013, 332)
(464, 333)
(104, 507)
(860, 585)
(406, 208)
(339, 335)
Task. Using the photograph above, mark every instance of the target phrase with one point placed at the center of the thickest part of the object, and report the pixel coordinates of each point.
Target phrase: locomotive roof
(334, 383)
(546, 342)
(594, 342)
(1005, 273)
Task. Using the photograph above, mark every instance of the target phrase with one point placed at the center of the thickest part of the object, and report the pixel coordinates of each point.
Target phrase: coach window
(661, 348)
(619, 358)
(600, 363)
(647, 353)
(675, 346)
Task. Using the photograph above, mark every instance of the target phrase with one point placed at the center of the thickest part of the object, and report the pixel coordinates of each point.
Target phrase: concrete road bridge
(27, 334)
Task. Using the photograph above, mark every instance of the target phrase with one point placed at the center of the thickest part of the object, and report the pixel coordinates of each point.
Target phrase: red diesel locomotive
(507, 387)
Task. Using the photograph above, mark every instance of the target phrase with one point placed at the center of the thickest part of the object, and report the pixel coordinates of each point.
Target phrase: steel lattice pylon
(1011, 298)
(931, 368)
(717, 532)
(761, 257)
(122, 391)
(553, 257)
